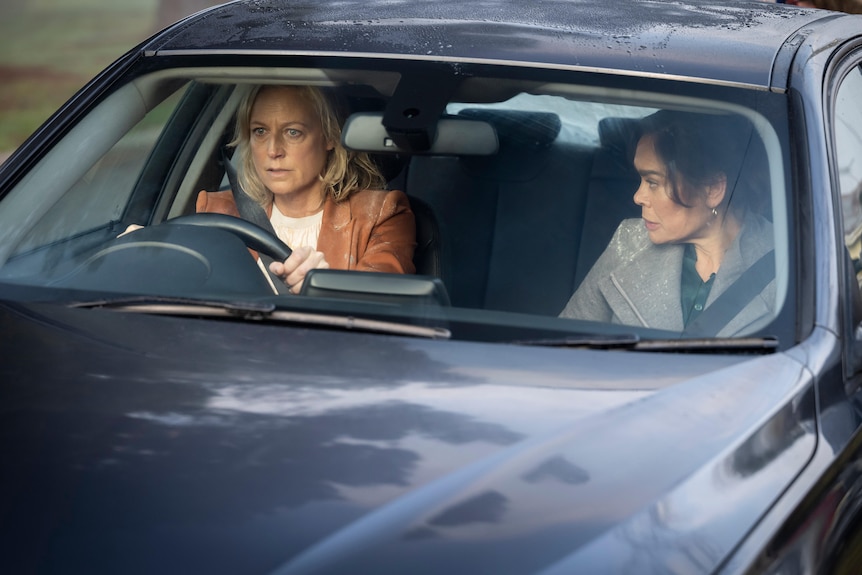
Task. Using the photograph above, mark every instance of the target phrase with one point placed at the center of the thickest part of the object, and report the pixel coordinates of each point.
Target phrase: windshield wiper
(154, 304)
(762, 345)
(589, 341)
(633, 342)
(258, 311)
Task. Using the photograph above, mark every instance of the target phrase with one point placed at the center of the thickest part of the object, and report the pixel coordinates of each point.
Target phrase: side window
(100, 196)
(848, 152)
(848, 165)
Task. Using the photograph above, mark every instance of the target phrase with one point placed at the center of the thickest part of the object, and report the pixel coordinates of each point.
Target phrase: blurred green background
(50, 48)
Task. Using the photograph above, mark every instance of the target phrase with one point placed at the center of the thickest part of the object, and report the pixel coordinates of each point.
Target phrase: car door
(840, 489)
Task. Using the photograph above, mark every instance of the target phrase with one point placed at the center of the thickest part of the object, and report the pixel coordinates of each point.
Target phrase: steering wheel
(176, 259)
(251, 234)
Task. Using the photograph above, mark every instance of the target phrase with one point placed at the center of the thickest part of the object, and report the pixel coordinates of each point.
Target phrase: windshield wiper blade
(589, 341)
(259, 311)
(633, 342)
(152, 304)
(712, 345)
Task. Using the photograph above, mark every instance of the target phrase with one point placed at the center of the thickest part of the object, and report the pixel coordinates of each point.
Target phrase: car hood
(146, 444)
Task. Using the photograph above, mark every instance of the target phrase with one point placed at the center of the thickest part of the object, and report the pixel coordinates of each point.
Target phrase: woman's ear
(715, 191)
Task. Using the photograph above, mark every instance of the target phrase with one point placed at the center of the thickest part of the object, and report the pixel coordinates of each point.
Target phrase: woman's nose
(275, 146)
(640, 197)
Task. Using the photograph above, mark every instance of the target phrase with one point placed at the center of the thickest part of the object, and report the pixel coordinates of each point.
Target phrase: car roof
(727, 42)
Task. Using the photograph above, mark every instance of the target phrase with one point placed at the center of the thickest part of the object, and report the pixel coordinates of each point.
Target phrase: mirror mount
(419, 100)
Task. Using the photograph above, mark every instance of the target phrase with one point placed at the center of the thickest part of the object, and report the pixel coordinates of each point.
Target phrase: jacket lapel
(336, 239)
(656, 306)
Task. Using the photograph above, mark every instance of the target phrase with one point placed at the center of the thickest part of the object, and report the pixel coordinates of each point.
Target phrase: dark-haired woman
(697, 235)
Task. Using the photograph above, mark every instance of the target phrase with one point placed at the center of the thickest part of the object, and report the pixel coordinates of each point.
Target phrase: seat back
(610, 192)
(428, 257)
(511, 221)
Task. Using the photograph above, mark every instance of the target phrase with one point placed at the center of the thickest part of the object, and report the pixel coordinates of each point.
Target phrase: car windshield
(547, 206)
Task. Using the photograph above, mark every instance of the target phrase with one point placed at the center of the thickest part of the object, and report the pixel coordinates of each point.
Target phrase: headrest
(519, 128)
(619, 136)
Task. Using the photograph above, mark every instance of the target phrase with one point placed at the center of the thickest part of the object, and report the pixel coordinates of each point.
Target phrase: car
(165, 411)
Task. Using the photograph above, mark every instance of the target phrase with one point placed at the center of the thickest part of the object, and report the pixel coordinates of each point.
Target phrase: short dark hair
(699, 148)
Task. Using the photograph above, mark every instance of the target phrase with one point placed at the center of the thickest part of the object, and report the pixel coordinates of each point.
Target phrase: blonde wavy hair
(345, 172)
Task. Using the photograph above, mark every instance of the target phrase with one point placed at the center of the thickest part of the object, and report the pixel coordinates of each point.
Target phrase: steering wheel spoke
(251, 234)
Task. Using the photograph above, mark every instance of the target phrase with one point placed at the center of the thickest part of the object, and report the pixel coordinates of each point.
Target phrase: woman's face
(667, 221)
(288, 147)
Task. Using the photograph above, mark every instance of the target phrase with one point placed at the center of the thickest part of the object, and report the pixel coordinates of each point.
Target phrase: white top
(297, 232)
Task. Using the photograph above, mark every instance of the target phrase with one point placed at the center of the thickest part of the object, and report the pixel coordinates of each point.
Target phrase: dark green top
(694, 290)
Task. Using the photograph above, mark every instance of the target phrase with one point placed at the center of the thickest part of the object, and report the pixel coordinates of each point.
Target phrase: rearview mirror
(364, 132)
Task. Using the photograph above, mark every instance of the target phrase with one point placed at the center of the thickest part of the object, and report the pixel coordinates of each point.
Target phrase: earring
(714, 213)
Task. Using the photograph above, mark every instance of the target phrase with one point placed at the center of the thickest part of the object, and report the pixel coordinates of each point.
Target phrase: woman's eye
(293, 133)
(258, 132)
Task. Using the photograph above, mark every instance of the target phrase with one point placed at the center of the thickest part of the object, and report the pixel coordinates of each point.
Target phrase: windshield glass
(523, 210)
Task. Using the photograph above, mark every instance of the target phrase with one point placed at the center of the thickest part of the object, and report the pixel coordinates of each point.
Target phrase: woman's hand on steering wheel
(294, 269)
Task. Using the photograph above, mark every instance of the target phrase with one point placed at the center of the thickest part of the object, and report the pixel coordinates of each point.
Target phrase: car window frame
(734, 97)
(846, 62)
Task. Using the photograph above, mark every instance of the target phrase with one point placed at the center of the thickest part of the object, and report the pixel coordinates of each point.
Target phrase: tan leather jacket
(372, 230)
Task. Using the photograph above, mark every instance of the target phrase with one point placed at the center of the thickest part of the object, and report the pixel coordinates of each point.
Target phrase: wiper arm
(178, 305)
(259, 311)
(635, 343)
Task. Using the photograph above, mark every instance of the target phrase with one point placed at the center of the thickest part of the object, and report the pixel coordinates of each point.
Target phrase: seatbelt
(249, 209)
(734, 298)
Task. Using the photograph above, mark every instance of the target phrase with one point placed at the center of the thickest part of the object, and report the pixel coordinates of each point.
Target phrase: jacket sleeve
(588, 302)
(392, 239)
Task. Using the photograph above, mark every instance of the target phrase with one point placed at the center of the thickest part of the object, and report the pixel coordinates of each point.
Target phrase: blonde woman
(324, 201)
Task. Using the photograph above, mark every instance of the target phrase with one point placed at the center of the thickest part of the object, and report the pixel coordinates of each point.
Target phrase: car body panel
(237, 431)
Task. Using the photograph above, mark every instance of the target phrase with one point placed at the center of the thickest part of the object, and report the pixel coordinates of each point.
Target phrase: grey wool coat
(636, 282)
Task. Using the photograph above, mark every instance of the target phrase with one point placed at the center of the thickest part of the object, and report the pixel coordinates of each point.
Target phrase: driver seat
(428, 257)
